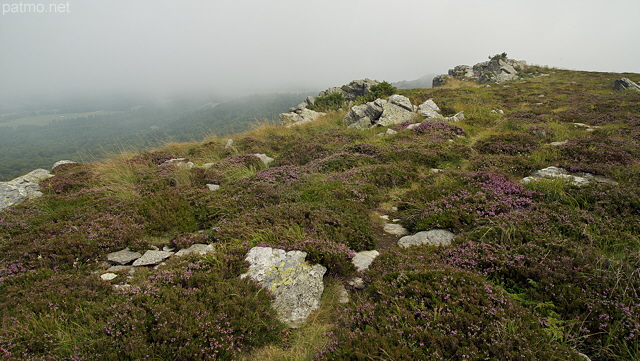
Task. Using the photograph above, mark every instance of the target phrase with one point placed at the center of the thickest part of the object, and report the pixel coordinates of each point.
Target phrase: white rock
(123, 257)
(395, 229)
(108, 276)
(264, 158)
(434, 237)
(213, 187)
(197, 249)
(362, 260)
(152, 257)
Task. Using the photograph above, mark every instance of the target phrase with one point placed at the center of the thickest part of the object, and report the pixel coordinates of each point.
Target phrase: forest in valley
(38, 135)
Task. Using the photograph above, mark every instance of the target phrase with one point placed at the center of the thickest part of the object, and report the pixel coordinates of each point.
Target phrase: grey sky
(262, 45)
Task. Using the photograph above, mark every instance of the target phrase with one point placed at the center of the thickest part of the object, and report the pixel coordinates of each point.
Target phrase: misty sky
(280, 45)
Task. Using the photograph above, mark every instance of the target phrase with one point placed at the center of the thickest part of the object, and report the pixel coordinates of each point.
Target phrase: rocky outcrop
(577, 179)
(395, 110)
(496, 70)
(296, 285)
(434, 237)
(625, 84)
(300, 114)
(23, 188)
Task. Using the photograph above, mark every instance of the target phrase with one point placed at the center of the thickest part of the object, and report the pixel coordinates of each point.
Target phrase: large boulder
(395, 114)
(429, 110)
(625, 84)
(439, 80)
(22, 188)
(296, 285)
(364, 115)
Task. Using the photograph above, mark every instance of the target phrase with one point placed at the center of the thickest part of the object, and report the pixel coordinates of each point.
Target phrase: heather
(538, 271)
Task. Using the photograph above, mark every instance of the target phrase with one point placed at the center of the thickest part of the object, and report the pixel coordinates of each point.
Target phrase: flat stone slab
(152, 258)
(197, 249)
(108, 276)
(395, 229)
(434, 237)
(362, 260)
(123, 257)
(578, 179)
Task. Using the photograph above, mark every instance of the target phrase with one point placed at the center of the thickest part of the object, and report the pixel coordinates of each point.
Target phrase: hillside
(541, 269)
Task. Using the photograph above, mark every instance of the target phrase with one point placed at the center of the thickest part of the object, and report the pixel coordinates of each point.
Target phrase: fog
(135, 46)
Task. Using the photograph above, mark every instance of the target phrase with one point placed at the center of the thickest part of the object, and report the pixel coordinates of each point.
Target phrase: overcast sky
(92, 46)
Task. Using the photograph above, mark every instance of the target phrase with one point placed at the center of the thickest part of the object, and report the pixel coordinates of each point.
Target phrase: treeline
(25, 148)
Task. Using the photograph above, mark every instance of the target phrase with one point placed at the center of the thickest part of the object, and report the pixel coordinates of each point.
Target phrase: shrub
(333, 101)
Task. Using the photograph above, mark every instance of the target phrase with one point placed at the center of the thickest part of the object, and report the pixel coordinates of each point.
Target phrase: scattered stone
(264, 158)
(362, 260)
(395, 229)
(213, 187)
(61, 162)
(296, 285)
(578, 179)
(108, 276)
(557, 144)
(411, 126)
(385, 217)
(120, 268)
(456, 118)
(394, 209)
(343, 295)
(180, 162)
(151, 258)
(123, 257)
(197, 249)
(168, 249)
(585, 357)
(390, 132)
(356, 282)
(229, 144)
(434, 237)
(208, 165)
(625, 84)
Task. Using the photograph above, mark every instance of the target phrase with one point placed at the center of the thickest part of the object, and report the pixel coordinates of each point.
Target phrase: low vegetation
(541, 271)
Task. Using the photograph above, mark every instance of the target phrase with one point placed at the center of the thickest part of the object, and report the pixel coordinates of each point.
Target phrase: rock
(394, 114)
(414, 125)
(625, 84)
(264, 158)
(462, 71)
(61, 162)
(585, 357)
(401, 101)
(152, 258)
(429, 110)
(434, 237)
(343, 295)
(439, 80)
(119, 268)
(557, 144)
(22, 188)
(123, 257)
(299, 117)
(364, 115)
(213, 187)
(362, 260)
(296, 285)
(208, 165)
(229, 144)
(578, 179)
(357, 88)
(390, 132)
(456, 118)
(197, 249)
(108, 276)
(395, 229)
(180, 162)
(356, 282)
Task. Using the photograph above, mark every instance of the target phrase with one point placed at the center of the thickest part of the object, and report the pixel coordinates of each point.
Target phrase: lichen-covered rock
(394, 114)
(123, 257)
(62, 162)
(434, 237)
(577, 179)
(152, 258)
(625, 84)
(296, 285)
(364, 115)
(430, 110)
(264, 158)
(395, 229)
(22, 188)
